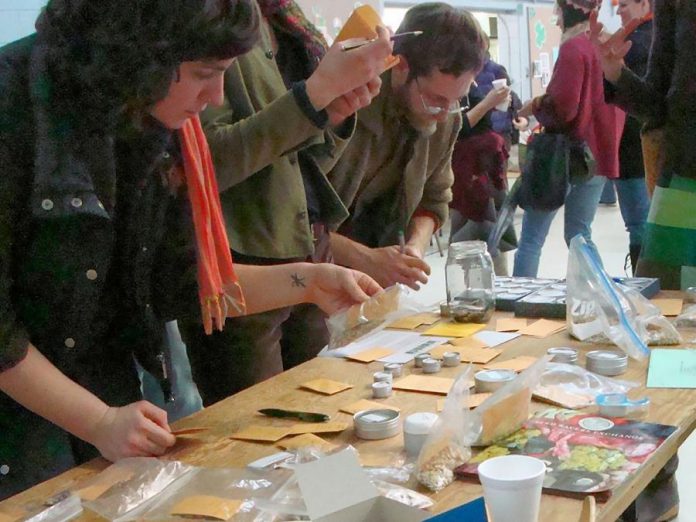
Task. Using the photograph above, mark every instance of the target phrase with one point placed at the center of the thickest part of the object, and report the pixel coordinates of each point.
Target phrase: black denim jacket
(67, 283)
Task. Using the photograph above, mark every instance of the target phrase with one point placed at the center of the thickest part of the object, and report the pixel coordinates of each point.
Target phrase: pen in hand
(355, 45)
(402, 242)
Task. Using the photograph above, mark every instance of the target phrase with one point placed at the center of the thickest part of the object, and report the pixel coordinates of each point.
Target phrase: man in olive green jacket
(395, 175)
(268, 141)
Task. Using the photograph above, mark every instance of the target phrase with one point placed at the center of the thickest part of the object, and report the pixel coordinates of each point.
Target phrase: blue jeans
(579, 211)
(187, 400)
(634, 203)
(608, 193)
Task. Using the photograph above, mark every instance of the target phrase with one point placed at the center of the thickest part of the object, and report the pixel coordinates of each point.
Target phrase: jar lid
(419, 423)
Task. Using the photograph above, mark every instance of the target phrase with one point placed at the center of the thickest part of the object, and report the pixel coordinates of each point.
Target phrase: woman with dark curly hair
(110, 223)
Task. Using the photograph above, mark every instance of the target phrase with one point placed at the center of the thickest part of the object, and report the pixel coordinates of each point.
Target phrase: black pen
(355, 45)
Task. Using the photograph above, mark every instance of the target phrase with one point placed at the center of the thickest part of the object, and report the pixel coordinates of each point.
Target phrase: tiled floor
(612, 242)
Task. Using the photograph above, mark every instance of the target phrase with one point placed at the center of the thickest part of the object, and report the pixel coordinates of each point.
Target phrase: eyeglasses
(437, 109)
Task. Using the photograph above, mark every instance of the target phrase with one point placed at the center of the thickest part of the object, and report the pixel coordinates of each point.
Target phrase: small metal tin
(451, 359)
(382, 377)
(431, 366)
(606, 362)
(488, 381)
(563, 355)
(377, 424)
(418, 359)
(395, 369)
(381, 390)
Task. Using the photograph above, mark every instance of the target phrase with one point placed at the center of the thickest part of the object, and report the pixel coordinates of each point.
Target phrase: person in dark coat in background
(634, 201)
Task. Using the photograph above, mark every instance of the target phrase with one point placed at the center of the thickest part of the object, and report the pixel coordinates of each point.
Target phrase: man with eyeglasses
(395, 175)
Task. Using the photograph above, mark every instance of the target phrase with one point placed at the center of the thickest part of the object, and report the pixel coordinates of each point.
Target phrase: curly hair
(452, 40)
(110, 59)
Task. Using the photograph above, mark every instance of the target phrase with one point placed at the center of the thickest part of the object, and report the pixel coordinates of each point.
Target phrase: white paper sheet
(493, 339)
(406, 345)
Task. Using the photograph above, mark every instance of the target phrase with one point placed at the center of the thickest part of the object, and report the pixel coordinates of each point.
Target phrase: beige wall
(330, 15)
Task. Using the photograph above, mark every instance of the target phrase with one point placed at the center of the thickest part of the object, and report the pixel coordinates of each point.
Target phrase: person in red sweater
(573, 104)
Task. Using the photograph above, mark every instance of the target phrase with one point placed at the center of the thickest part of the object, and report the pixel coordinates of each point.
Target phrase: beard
(419, 120)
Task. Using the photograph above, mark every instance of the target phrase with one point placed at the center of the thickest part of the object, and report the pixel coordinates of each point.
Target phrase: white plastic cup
(497, 85)
(512, 487)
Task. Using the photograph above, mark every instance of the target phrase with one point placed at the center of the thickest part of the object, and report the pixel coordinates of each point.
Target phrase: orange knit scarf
(218, 286)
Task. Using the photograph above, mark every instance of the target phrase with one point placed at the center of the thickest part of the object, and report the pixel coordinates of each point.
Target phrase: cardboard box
(336, 489)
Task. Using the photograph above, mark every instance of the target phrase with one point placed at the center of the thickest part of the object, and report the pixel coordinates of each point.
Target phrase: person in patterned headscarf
(287, 98)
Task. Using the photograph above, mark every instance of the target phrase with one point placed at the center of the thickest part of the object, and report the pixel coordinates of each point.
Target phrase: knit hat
(586, 6)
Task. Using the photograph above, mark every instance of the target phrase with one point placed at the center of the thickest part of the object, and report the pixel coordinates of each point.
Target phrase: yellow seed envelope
(468, 342)
(669, 307)
(317, 427)
(516, 364)
(452, 329)
(306, 440)
(364, 404)
(372, 354)
(207, 506)
(326, 386)
(188, 431)
(475, 400)
(262, 433)
(414, 321)
(104, 481)
(559, 397)
(542, 328)
(424, 383)
(510, 325)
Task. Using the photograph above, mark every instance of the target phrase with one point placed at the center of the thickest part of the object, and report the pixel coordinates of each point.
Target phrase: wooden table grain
(216, 449)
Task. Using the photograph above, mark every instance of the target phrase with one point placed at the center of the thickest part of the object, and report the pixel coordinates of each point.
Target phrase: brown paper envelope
(207, 506)
(318, 427)
(364, 404)
(326, 386)
(559, 397)
(189, 431)
(8, 518)
(372, 354)
(468, 342)
(510, 325)
(517, 364)
(423, 383)
(452, 329)
(104, 481)
(669, 307)
(542, 328)
(476, 355)
(262, 433)
(414, 321)
(505, 416)
(475, 400)
(306, 440)
(362, 23)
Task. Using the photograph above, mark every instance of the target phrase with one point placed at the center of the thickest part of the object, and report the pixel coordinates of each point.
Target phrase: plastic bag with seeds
(602, 311)
(374, 314)
(447, 445)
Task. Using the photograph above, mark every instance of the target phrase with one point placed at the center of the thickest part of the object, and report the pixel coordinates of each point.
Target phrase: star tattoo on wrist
(298, 281)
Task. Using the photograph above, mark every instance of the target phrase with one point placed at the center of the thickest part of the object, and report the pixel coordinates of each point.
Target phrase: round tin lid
(495, 375)
(607, 359)
(376, 420)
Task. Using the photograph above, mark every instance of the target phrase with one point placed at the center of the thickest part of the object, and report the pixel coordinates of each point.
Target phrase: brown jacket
(389, 170)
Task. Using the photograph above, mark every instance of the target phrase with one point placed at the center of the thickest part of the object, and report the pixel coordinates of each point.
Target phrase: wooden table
(215, 449)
